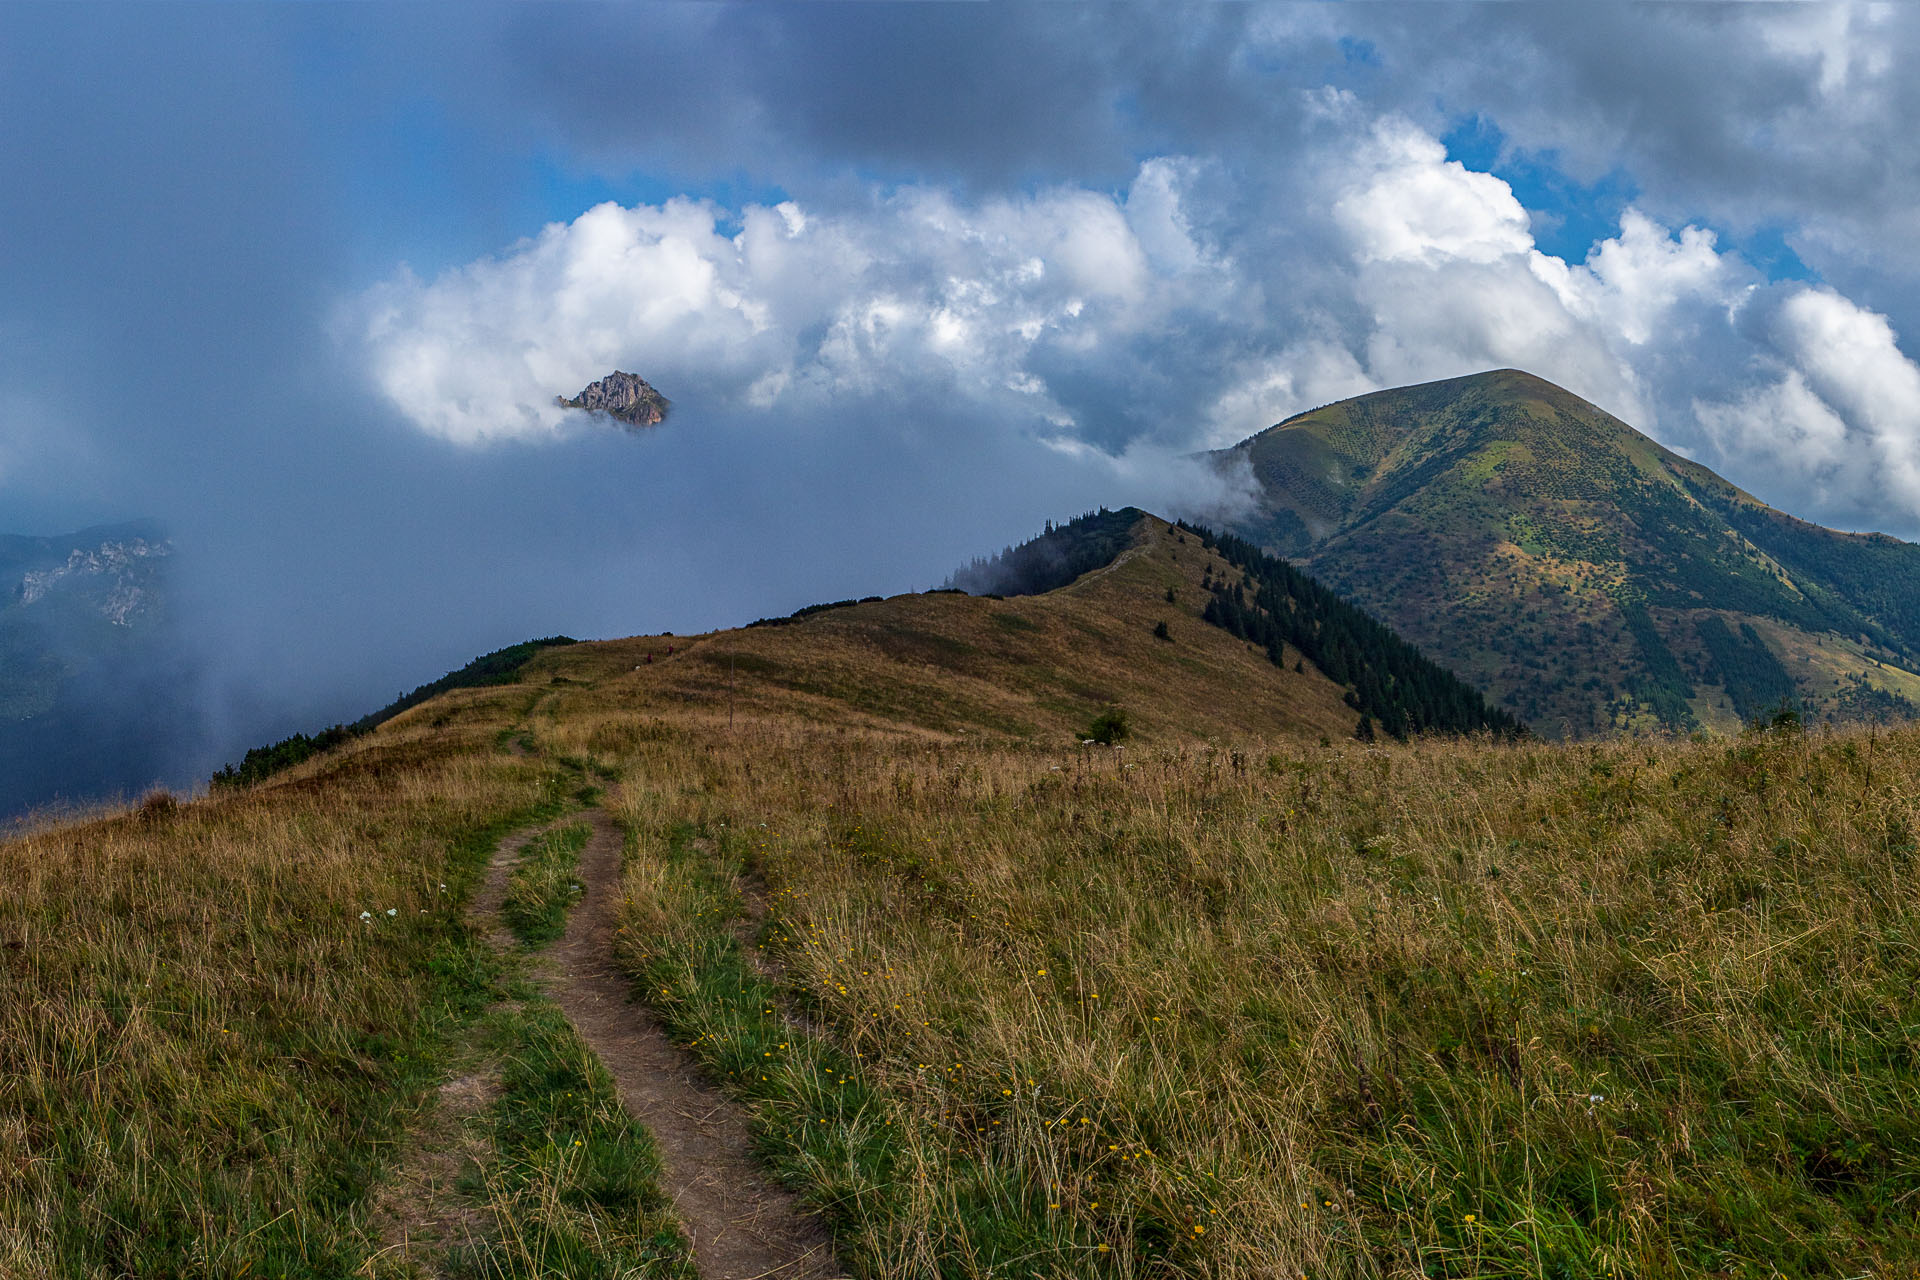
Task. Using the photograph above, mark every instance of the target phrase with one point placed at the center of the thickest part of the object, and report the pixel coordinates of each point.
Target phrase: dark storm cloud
(982, 94)
(1747, 115)
(193, 206)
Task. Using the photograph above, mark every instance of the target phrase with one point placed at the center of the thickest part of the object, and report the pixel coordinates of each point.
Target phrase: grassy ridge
(1648, 1009)
(502, 666)
(1034, 666)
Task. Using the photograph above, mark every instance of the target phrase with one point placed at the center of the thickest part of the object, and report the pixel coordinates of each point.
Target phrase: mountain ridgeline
(502, 666)
(1186, 632)
(1268, 603)
(1587, 578)
(1055, 558)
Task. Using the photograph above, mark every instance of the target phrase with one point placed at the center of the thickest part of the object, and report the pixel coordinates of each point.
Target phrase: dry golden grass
(948, 665)
(1643, 1009)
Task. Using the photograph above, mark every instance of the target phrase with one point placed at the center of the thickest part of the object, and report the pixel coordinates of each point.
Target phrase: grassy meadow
(1642, 1009)
(215, 1017)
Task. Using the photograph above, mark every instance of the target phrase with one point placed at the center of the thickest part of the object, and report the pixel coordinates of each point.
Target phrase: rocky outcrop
(92, 602)
(625, 397)
(119, 566)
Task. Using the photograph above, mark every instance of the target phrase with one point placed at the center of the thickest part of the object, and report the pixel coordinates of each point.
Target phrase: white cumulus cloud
(1853, 357)
(1416, 206)
(1192, 309)
(919, 289)
(1780, 425)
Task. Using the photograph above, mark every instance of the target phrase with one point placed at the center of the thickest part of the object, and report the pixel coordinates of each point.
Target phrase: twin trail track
(742, 1226)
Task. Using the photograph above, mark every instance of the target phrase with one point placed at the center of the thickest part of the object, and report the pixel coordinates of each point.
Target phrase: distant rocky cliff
(115, 575)
(627, 397)
(95, 692)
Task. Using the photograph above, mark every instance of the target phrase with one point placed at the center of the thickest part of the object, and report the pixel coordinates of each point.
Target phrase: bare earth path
(743, 1227)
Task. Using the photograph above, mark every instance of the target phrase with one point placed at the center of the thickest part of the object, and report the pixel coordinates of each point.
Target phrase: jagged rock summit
(627, 397)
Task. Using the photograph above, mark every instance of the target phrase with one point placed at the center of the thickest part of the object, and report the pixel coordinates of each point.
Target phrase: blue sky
(1570, 216)
(303, 280)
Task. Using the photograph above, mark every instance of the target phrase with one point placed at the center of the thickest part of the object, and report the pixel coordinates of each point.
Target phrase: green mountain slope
(1589, 579)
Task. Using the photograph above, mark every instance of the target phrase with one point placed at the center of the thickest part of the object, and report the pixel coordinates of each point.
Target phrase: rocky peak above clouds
(627, 397)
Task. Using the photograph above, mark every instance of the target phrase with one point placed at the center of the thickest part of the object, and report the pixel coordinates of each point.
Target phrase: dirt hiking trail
(743, 1226)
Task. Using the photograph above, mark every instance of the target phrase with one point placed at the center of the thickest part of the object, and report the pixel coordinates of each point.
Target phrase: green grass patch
(1643, 1010)
(573, 1182)
(545, 884)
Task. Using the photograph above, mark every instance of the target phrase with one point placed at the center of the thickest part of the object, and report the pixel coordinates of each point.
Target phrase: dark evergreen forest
(1274, 605)
(1055, 558)
(1755, 681)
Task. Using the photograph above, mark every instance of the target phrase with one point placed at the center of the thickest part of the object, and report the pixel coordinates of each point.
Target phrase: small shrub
(1783, 717)
(158, 804)
(1109, 727)
(1160, 631)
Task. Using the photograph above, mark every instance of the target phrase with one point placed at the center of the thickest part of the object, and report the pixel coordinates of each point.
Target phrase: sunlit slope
(1586, 577)
(1037, 667)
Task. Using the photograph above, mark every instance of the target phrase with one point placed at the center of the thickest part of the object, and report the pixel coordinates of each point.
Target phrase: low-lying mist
(395, 558)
